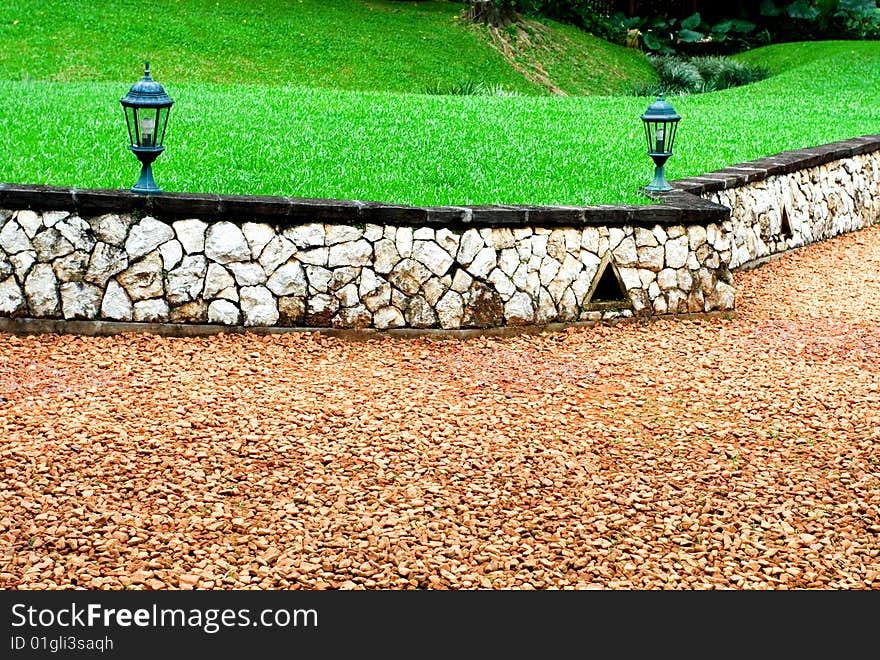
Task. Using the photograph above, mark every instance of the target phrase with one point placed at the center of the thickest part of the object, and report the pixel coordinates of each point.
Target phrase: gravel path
(738, 454)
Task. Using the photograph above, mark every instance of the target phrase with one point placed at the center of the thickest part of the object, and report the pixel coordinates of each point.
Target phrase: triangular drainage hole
(785, 226)
(608, 288)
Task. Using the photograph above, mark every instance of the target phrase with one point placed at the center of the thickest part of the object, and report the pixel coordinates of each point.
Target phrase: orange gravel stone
(739, 453)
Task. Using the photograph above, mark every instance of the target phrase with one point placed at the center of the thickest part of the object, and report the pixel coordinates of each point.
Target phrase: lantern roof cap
(660, 110)
(147, 93)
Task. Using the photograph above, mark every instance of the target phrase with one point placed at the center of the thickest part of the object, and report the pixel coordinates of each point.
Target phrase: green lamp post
(661, 122)
(146, 109)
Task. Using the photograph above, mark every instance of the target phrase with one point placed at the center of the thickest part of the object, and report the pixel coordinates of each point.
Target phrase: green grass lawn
(378, 45)
(260, 112)
(780, 58)
(345, 44)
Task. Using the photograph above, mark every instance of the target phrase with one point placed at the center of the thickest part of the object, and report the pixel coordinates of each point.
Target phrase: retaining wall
(794, 198)
(272, 262)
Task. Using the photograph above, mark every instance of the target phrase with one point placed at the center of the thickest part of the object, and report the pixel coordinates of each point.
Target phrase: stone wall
(782, 202)
(118, 267)
(284, 262)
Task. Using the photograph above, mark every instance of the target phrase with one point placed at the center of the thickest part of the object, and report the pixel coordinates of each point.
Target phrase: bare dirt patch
(522, 45)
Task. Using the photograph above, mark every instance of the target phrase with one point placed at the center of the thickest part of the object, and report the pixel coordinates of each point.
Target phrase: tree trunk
(485, 11)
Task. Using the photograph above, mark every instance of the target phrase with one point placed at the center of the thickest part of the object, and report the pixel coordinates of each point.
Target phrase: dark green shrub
(857, 19)
(691, 36)
(723, 72)
(467, 88)
(804, 20)
(676, 75)
(463, 88)
(695, 75)
(666, 34)
(581, 13)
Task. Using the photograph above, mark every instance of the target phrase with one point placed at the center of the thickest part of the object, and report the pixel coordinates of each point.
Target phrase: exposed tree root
(519, 50)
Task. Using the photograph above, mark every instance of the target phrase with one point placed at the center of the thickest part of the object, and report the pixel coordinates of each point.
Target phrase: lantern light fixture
(661, 124)
(146, 109)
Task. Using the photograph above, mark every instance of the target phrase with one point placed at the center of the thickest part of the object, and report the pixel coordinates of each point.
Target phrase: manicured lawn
(61, 123)
(369, 45)
(783, 57)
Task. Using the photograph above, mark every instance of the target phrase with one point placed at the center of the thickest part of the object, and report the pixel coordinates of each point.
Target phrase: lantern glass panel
(131, 123)
(146, 126)
(660, 136)
(161, 124)
(671, 129)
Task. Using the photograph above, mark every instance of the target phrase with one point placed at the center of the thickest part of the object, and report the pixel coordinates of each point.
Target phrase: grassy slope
(822, 92)
(344, 44)
(409, 148)
(569, 61)
(780, 58)
(582, 64)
